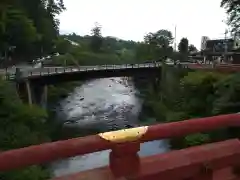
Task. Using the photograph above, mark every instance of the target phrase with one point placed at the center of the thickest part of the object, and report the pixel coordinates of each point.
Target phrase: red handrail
(47, 152)
(209, 160)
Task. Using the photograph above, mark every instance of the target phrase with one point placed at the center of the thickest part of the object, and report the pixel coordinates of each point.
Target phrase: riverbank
(21, 126)
(200, 94)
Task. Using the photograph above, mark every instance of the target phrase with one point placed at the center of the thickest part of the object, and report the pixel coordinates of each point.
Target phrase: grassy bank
(200, 94)
(61, 91)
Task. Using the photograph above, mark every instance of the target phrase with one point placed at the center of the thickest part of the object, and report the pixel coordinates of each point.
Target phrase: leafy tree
(232, 8)
(162, 38)
(156, 45)
(19, 32)
(96, 39)
(192, 48)
(30, 26)
(183, 46)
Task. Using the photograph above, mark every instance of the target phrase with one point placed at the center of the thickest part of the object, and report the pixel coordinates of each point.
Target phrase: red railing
(125, 162)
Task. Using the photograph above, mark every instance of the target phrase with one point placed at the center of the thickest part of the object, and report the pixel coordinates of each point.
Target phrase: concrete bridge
(32, 82)
(215, 161)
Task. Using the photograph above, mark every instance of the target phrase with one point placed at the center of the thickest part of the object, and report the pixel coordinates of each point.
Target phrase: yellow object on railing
(124, 135)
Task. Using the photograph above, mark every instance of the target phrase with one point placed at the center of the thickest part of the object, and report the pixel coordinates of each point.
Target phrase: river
(101, 105)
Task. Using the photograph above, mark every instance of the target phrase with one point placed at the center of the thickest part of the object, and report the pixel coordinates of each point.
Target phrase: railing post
(124, 159)
(206, 174)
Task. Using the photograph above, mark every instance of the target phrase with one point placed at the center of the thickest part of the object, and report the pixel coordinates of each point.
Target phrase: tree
(232, 8)
(183, 46)
(19, 32)
(162, 38)
(96, 40)
(63, 46)
(192, 48)
(158, 44)
(30, 26)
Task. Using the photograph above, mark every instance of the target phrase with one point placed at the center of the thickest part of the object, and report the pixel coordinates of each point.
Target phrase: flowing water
(106, 105)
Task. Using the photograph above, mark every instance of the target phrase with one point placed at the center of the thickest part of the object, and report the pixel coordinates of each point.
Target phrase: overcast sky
(132, 19)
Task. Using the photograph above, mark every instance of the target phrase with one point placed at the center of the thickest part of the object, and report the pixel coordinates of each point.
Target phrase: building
(203, 42)
(228, 50)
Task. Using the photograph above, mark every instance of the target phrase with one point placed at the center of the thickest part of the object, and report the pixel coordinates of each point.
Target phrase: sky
(132, 19)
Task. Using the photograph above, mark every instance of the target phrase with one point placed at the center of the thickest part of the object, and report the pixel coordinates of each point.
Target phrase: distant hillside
(110, 44)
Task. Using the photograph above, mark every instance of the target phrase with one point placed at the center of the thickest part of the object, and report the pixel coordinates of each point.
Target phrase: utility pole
(175, 40)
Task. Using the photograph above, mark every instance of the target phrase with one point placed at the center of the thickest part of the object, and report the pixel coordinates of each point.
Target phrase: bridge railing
(59, 70)
(125, 144)
(10, 75)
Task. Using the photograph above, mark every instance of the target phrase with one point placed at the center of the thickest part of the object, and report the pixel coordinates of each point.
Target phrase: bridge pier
(39, 95)
(29, 93)
(32, 93)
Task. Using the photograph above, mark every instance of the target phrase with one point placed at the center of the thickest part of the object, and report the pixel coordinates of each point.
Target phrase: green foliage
(201, 84)
(156, 45)
(196, 139)
(183, 49)
(63, 46)
(200, 94)
(192, 48)
(161, 38)
(113, 51)
(20, 126)
(227, 95)
(183, 46)
(31, 173)
(96, 39)
(90, 50)
(60, 91)
(29, 26)
(232, 8)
